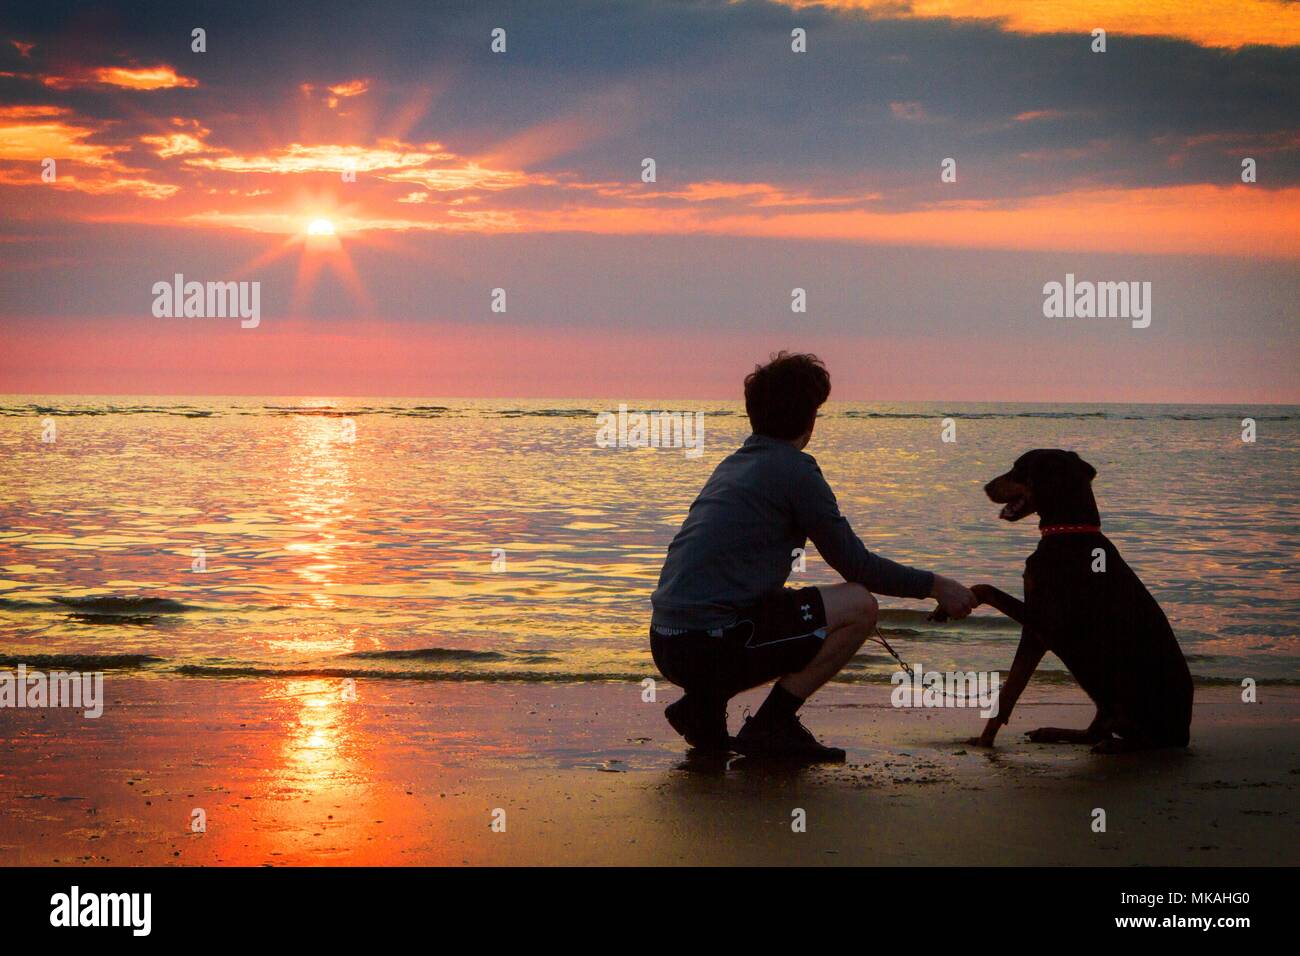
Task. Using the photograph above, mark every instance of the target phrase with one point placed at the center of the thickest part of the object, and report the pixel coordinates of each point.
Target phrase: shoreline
(409, 773)
(153, 670)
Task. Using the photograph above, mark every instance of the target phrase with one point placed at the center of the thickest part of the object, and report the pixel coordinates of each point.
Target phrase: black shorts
(777, 636)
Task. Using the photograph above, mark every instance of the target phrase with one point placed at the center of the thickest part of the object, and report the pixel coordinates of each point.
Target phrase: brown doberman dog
(1087, 606)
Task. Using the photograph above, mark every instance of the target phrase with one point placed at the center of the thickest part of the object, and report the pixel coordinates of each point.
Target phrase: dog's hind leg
(1062, 735)
(1131, 738)
(1097, 732)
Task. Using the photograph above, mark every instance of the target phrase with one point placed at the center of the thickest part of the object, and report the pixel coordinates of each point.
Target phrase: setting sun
(320, 227)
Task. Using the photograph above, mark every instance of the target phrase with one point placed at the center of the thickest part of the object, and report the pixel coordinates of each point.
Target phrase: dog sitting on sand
(1087, 606)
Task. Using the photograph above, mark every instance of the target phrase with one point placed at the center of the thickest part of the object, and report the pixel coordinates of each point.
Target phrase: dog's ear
(1084, 468)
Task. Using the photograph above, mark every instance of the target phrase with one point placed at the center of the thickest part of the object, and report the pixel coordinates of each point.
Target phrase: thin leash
(880, 639)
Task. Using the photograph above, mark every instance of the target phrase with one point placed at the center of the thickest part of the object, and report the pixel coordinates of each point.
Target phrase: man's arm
(819, 517)
(845, 552)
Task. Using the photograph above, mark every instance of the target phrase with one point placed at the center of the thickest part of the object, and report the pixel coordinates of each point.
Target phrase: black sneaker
(702, 723)
(786, 739)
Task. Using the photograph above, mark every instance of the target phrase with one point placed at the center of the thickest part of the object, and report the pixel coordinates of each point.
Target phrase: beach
(290, 773)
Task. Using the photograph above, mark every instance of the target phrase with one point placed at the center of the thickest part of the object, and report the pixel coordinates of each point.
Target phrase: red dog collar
(1069, 529)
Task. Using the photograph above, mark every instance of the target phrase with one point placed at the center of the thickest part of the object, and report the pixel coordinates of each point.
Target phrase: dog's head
(1054, 483)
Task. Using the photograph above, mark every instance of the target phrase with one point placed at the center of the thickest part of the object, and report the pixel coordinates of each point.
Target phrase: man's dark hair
(782, 397)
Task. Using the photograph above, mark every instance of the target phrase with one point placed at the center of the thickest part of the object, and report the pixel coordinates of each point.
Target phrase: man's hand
(955, 600)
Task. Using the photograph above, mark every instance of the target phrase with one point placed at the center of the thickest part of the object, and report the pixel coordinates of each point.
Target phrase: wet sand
(287, 772)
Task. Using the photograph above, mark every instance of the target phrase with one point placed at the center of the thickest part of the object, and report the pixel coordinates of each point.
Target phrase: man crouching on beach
(723, 619)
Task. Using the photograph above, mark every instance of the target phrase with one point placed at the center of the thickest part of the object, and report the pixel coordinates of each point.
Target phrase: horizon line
(586, 398)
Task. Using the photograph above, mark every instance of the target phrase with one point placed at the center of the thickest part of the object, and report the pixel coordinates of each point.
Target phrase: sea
(499, 540)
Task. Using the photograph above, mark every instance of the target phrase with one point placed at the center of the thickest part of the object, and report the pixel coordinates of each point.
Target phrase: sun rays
(318, 246)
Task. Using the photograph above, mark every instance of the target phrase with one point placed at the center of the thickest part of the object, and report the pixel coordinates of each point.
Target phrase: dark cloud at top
(710, 89)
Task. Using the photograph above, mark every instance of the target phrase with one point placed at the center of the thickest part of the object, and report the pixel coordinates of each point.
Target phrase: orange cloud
(753, 194)
(161, 77)
(1212, 23)
(351, 88)
(427, 165)
(144, 188)
(31, 134)
(338, 91)
(404, 186)
(291, 222)
(1030, 116)
(1188, 220)
(174, 144)
(95, 186)
(330, 158)
(468, 175)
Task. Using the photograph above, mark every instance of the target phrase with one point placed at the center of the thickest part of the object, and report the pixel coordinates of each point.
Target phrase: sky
(437, 170)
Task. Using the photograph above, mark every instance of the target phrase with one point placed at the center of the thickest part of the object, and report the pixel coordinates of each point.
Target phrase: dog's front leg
(1012, 607)
(1028, 654)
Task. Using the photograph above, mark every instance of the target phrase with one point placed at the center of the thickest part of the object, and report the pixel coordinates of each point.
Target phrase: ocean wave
(1155, 413)
(902, 621)
(853, 413)
(1101, 416)
(68, 411)
(23, 604)
(876, 672)
(451, 676)
(80, 662)
(115, 607)
(441, 654)
(545, 413)
(327, 411)
(128, 606)
(592, 413)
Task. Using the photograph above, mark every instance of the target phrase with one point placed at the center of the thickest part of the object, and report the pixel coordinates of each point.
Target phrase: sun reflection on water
(318, 495)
